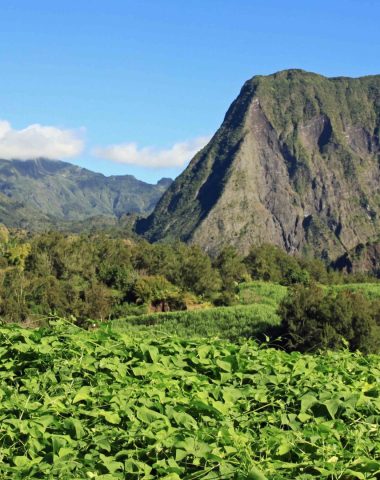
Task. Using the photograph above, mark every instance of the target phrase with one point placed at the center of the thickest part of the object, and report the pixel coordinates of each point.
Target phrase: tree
(197, 274)
(158, 293)
(270, 263)
(13, 296)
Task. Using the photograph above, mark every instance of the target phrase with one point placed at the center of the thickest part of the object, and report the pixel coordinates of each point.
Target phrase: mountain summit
(295, 163)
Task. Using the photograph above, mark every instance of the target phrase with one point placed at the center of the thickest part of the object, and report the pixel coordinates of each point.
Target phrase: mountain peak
(164, 182)
(295, 163)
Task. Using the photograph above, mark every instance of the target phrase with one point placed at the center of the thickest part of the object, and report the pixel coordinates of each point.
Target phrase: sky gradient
(147, 82)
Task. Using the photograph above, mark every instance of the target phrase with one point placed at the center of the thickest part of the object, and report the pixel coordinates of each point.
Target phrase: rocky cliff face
(295, 163)
(42, 193)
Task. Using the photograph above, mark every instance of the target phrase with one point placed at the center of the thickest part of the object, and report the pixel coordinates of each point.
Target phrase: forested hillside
(40, 194)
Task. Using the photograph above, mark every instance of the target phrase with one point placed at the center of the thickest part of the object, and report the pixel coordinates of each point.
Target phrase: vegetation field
(232, 323)
(370, 290)
(106, 405)
(264, 293)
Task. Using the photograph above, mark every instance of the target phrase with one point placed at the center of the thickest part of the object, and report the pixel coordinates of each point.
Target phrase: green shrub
(313, 319)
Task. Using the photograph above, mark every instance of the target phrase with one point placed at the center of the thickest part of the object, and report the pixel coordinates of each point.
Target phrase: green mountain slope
(38, 193)
(295, 163)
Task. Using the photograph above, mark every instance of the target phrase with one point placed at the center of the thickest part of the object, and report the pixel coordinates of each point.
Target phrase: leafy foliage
(97, 277)
(94, 277)
(104, 405)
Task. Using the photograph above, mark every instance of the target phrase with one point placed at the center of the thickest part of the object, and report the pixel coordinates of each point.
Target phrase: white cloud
(129, 153)
(39, 141)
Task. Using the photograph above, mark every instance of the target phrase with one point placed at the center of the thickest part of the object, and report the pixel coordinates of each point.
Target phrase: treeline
(96, 277)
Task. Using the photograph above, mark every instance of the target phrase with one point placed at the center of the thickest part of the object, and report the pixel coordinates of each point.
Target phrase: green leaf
(111, 417)
(354, 474)
(367, 465)
(83, 394)
(332, 407)
(307, 401)
(58, 442)
(284, 448)
(135, 467)
(180, 454)
(185, 419)
(45, 420)
(147, 415)
(153, 353)
(111, 465)
(66, 451)
(79, 430)
(256, 474)
(226, 366)
(21, 461)
(304, 417)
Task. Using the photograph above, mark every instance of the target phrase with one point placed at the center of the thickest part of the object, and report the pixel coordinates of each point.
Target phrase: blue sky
(136, 86)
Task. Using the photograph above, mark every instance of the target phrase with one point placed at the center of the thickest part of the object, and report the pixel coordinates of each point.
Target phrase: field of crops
(107, 405)
(256, 313)
(232, 323)
(269, 293)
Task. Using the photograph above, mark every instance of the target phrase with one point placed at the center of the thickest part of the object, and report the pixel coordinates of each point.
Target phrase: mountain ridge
(41, 192)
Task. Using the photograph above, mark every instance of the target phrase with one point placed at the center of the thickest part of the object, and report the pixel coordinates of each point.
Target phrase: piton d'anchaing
(295, 163)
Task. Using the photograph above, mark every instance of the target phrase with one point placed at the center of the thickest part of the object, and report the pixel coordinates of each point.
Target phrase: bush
(313, 319)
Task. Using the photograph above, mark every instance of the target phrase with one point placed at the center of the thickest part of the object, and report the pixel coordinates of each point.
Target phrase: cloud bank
(129, 153)
(38, 141)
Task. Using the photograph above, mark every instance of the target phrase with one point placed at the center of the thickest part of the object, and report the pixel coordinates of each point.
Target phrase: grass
(264, 293)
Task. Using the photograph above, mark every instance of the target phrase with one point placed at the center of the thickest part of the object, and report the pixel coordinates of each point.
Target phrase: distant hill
(39, 193)
(295, 163)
